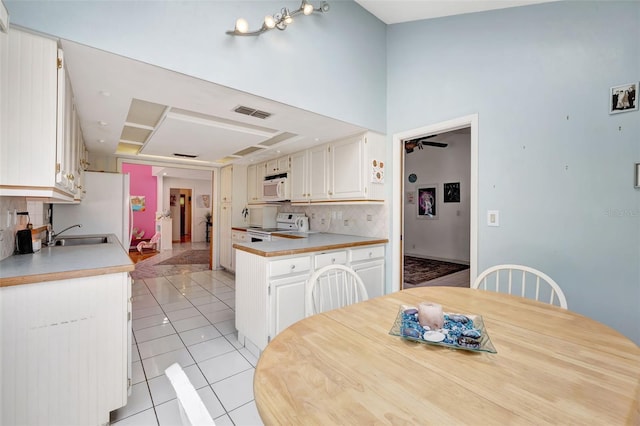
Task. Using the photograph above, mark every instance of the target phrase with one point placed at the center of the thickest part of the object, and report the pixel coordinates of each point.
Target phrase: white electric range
(285, 222)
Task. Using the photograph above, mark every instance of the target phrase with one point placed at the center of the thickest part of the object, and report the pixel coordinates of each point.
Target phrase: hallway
(185, 314)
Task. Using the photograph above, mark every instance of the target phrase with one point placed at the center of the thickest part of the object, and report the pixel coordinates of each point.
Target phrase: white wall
(552, 160)
(198, 187)
(447, 237)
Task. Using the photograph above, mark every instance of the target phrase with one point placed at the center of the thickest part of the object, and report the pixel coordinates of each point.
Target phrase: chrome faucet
(52, 236)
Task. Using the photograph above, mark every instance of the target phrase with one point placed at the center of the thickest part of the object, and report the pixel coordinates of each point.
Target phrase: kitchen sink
(82, 240)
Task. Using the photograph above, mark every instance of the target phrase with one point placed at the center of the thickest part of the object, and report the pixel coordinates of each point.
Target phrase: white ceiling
(104, 85)
(397, 11)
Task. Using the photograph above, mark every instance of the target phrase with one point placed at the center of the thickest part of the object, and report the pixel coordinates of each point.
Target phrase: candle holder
(430, 315)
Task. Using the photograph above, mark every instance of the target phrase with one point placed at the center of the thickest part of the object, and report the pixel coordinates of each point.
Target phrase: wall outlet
(369, 218)
(493, 218)
(346, 222)
(322, 221)
(339, 214)
(313, 215)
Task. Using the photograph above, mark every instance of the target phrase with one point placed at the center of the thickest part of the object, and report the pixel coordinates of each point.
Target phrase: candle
(430, 315)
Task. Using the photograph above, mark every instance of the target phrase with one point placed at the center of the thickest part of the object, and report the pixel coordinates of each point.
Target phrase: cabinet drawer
(293, 265)
(334, 257)
(367, 253)
(239, 236)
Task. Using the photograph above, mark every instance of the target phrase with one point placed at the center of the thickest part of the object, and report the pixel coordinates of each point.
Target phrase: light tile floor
(185, 314)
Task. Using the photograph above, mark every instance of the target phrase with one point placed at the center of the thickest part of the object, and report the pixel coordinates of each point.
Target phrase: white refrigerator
(106, 208)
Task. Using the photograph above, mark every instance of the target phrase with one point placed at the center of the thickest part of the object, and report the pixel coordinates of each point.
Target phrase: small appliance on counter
(302, 222)
(24, 243)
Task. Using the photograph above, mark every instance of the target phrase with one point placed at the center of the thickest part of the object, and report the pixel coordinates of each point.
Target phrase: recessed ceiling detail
(248, 151)
(252, 112)
(277, 139)
(145, 113)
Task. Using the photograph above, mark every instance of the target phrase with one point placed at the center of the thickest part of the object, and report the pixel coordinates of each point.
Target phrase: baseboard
(441, 259)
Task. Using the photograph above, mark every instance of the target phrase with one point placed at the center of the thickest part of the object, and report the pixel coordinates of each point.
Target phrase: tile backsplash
(366, 220)
(7, 226)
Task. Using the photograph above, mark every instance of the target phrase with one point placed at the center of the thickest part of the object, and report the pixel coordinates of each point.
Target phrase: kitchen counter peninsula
(293, 243)
(65, 262)
(65, 322)
(271, 278)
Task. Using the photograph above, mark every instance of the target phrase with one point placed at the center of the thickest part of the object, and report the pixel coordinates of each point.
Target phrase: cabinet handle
(333, 260)
(370, 254)
(293, 267)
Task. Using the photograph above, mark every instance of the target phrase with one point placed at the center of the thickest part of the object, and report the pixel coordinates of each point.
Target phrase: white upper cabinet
(226, 184)
(255, 176)
(298, 177)
(37, 158)
(345, 176)
(318, 167)
(347, 170)
(277, 166)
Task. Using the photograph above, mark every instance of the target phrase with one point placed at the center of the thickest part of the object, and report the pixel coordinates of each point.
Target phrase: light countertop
(65, 262)
(307, 244)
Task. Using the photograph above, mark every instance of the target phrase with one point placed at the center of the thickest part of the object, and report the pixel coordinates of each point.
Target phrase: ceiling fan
(421, 142)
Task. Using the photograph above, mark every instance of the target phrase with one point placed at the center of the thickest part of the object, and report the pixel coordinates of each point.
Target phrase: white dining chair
(192, 409)
(510, 277)
(332, 287)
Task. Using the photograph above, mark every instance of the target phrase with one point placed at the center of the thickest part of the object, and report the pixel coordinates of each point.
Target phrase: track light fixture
(278, 20)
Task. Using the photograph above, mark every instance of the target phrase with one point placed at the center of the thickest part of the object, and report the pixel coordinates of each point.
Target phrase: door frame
(397, 201)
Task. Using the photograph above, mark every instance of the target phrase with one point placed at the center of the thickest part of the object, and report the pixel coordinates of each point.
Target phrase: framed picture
(410, 196)
(623, 98)
(138, 203)
(452, 192)
(427, 202)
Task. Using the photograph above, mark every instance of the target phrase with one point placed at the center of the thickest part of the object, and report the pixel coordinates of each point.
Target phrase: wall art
(427, 202)
(451, 192)
(623, 98)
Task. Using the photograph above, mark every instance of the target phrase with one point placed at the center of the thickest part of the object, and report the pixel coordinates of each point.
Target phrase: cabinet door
(252, 189)
(284, 163)
(226, 258)
(226, 184)
(287, 302)
(30, 159)
(298, 176)
(372, 274)
(346, 174)
(317, 173)
(272, 167)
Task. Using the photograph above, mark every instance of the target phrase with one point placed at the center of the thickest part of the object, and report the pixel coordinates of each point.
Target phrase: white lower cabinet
(287, 301)
(271, 291)
(368, 262)
(65, 350)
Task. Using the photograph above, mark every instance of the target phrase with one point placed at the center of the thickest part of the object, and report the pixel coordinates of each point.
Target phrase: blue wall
(551, 158)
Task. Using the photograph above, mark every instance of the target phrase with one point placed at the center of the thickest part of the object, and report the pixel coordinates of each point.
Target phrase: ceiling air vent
(177, 154)
(252, 112)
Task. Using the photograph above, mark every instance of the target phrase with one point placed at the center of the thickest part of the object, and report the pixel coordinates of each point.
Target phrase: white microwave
(276, 188)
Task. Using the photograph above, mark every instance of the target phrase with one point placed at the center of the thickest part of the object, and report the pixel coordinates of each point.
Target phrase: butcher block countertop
(309, 243)
(65, 262)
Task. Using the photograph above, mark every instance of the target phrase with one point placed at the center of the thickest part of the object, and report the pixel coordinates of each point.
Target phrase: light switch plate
(493, 218)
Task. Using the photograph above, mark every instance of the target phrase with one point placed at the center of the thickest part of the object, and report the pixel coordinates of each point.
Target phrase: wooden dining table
(552, 366)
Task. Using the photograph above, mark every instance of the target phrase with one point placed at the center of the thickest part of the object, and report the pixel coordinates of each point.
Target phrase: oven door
(256, 238)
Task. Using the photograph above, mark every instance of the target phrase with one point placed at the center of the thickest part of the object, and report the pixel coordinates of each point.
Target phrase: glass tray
(407, 326)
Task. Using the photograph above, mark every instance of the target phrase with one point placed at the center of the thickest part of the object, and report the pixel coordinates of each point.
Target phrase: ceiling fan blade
(438, 144)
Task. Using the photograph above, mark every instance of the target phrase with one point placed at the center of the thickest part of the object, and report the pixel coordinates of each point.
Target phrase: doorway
(400, 201)
(181, 209)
